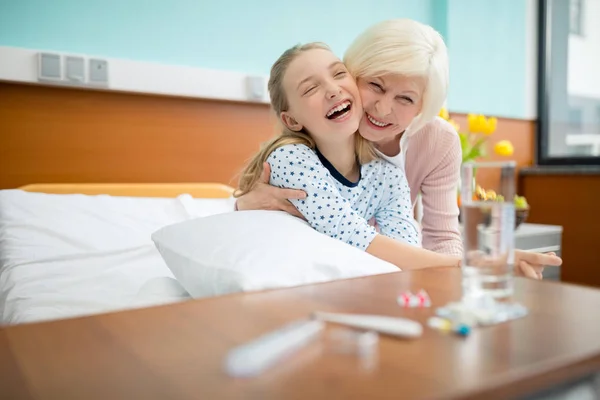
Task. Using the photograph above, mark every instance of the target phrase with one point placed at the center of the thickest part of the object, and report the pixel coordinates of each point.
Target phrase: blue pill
(463, 330)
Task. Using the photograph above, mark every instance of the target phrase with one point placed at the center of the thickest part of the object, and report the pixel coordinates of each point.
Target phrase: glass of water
(488, 227)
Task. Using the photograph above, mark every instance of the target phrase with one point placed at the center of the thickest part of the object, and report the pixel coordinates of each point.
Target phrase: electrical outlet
(255, 87)
(49, 67)
(98, 72)
(75, 69)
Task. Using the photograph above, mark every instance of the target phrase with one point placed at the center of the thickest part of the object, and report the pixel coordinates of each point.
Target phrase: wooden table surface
(177, 351)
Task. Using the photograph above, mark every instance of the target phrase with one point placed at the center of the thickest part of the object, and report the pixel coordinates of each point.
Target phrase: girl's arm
(325, 209)
(394, 213)
(399, 242)
(407, 256)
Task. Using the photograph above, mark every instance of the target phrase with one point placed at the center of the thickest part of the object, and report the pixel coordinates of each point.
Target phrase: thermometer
(387, 325)
(254, 357)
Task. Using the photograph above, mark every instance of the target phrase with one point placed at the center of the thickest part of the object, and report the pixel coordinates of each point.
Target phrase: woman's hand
(531, 265)
(527, 264)
(267, 197)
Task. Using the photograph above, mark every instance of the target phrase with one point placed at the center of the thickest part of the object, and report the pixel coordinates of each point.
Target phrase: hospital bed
(70, 250)
(89, 175)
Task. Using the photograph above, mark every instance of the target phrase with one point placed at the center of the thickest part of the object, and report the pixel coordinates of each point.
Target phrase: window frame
(542, 156)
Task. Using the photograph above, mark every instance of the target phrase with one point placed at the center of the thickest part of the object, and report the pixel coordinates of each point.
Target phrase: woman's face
(390, 104)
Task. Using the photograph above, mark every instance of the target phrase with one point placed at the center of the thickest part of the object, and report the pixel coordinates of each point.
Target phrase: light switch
(49, 67)
(75, 71)
(98, 71)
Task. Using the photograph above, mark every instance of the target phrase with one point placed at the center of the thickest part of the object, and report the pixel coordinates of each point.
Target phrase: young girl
(319, 152)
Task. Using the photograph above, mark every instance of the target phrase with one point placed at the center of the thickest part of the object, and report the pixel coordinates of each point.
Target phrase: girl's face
(390, 104)
(323, 97)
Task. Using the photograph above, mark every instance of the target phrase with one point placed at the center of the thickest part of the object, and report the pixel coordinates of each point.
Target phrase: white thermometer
(252, 358)
(387, 325)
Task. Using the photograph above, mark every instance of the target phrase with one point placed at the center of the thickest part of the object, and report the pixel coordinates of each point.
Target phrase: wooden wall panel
(50, 134)
(572, 201)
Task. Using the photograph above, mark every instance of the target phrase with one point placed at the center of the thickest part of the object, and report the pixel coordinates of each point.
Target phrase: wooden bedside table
(177, 351)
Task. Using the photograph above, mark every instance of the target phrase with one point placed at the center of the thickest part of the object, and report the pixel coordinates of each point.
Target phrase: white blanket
(71, 255)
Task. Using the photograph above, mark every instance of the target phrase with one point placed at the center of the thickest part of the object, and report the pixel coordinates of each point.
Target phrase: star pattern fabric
(341, 209)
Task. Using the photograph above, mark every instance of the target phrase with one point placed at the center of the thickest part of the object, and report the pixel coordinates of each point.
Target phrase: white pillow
(256, 250)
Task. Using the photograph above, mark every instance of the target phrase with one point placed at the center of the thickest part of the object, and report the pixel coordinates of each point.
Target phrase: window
(569, 84)
(575, 120)
(575, 17)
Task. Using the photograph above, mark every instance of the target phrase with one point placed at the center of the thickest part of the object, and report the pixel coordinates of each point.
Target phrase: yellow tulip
(491, 125)
(485, 129)
(473, 122)
(481, 123)
(444, 114)
(478, 123)
(504, 148)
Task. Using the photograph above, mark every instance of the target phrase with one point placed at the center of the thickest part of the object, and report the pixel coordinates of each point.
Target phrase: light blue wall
(485, 37)
(439, 18)
(238, 35)
(487, 47)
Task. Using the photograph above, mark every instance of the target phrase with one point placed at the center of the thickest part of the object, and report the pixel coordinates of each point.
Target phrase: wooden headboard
(51, 134)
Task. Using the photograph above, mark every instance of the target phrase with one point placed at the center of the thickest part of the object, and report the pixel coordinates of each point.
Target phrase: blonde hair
(279, 103)
(404, 47)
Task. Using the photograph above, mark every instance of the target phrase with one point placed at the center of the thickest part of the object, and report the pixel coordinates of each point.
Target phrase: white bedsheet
(71, 255)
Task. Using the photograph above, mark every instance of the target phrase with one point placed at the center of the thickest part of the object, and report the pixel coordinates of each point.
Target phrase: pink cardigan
(432, 158)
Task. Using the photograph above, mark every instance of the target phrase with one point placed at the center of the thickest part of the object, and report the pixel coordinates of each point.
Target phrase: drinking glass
(488, 227)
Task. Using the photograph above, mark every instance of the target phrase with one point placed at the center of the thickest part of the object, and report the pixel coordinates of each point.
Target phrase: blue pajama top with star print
(340, 208)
